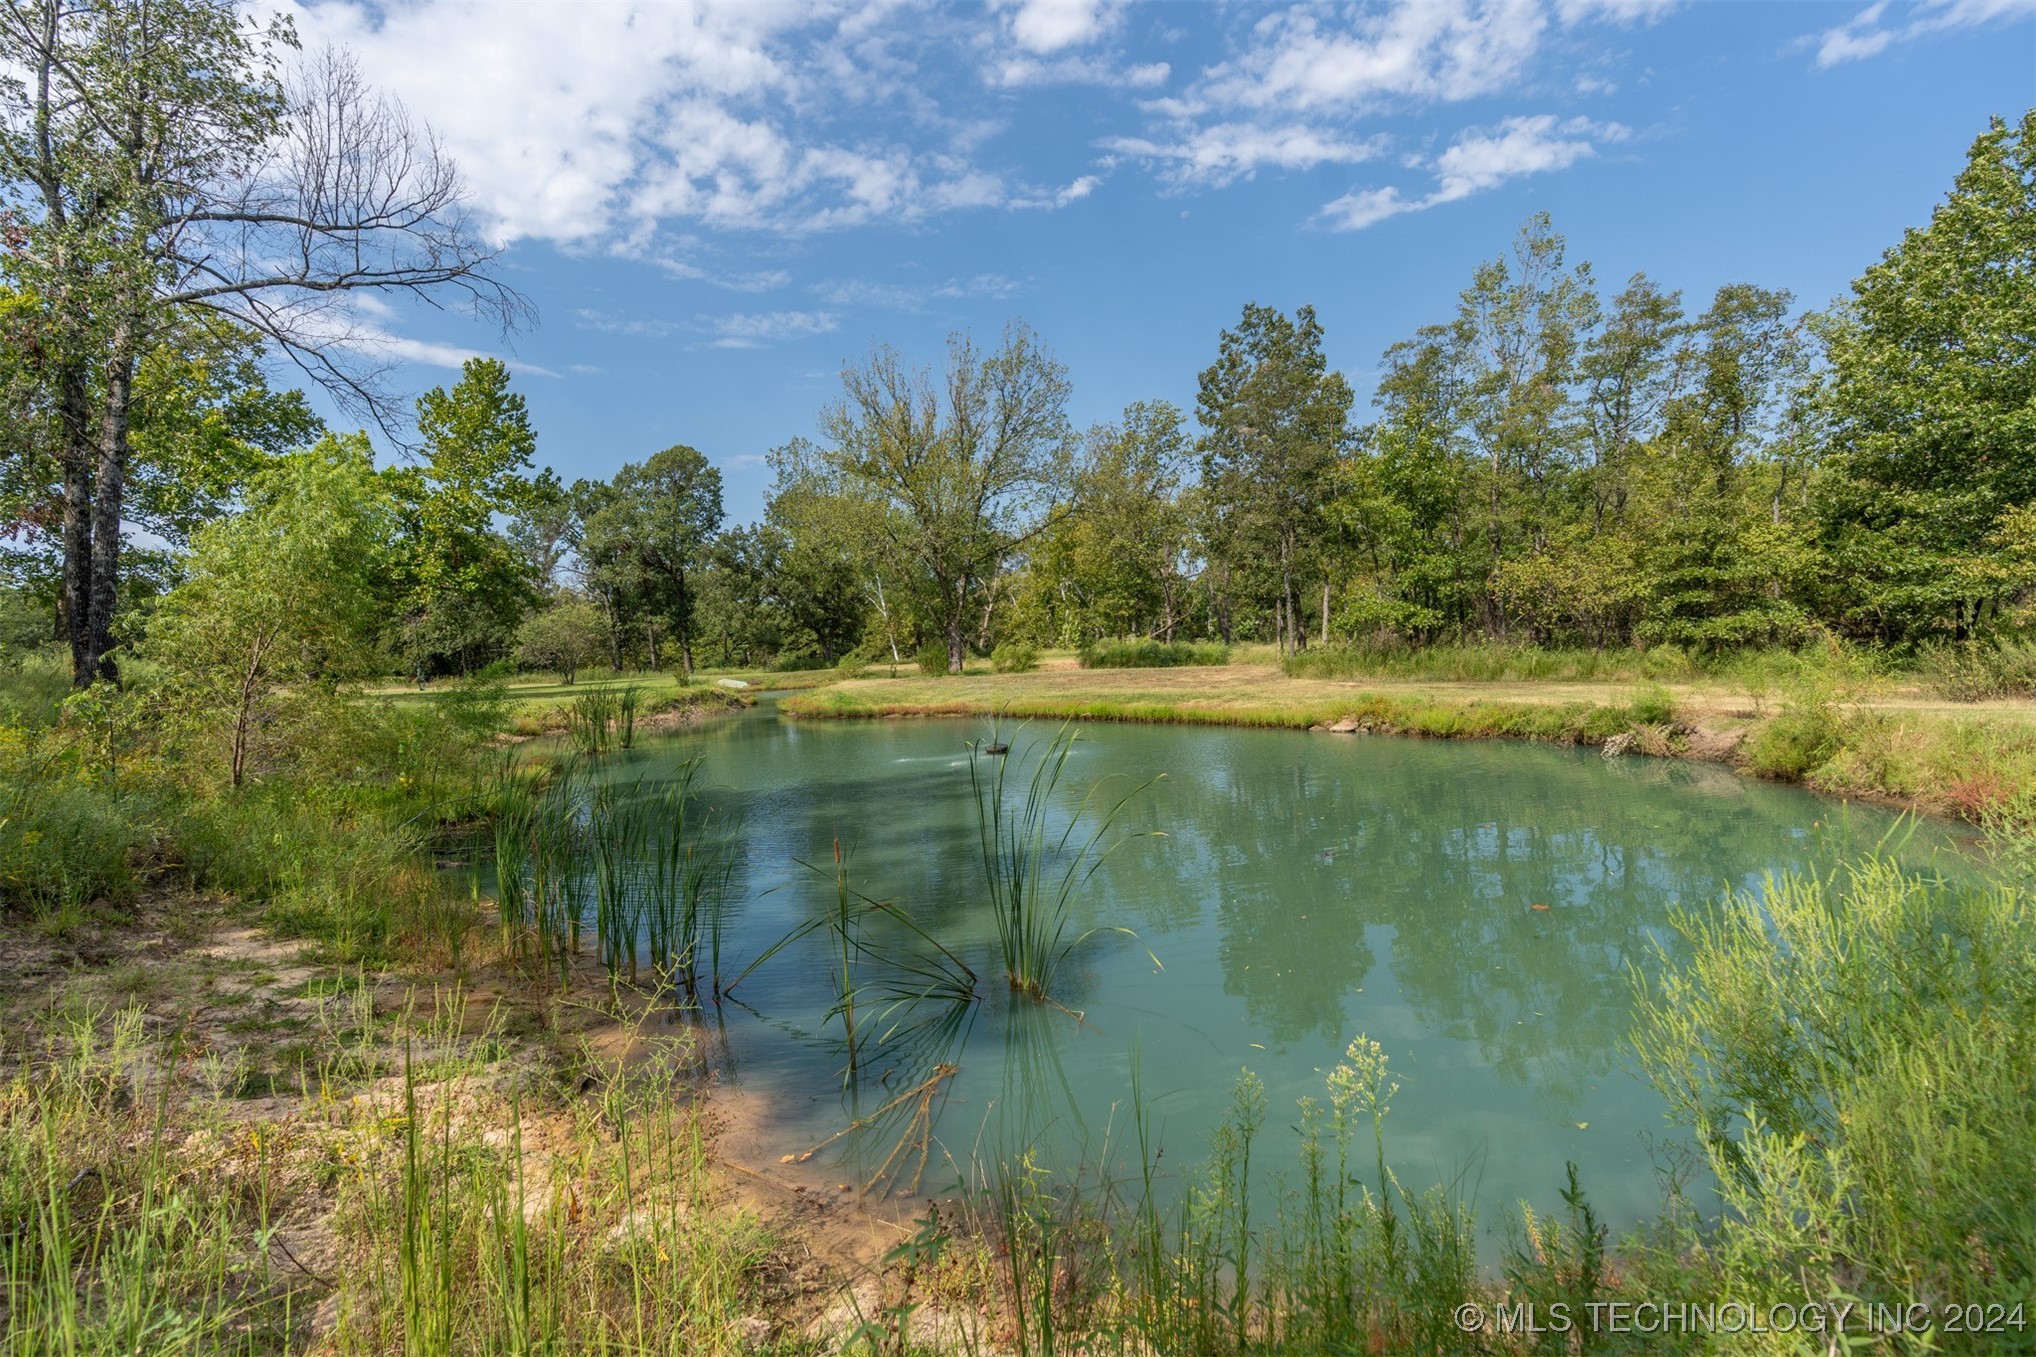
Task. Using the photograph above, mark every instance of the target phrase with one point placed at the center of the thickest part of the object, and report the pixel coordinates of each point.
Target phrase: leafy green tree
(660, 517)
(564, 637)
(845, 569)
(1275, 420)
(1931, 398)
(1719, 567)
(966, 472)
(156, 168)
(280, 596)
(204, 420)
(546, 527)
(465, 586)
(1119, 563)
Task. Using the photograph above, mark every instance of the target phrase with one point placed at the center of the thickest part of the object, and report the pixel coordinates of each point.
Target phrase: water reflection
(1473, 907)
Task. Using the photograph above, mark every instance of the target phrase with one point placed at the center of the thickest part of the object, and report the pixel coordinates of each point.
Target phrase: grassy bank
(1843, 735)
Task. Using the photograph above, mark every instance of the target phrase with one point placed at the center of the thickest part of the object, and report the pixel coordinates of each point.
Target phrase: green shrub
(852, 665)
(1856, 1054)
(1014, 657)
(64, 841)
(1982, 670)
(1653, 705)
(33, 686)
(357, 883)
(1801, 739)
(932, 658)
(1148, 654)
(798, 663)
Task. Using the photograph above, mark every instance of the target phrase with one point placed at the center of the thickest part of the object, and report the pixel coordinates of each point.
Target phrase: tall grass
(651, 861)
(109, 1242)
(1350, 1260)
(1981, 670)
(1148, 654)
(1032, 872)
(471, 1243)
(688, 862)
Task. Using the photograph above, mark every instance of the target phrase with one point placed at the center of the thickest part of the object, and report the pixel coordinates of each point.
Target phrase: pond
(1476, 908)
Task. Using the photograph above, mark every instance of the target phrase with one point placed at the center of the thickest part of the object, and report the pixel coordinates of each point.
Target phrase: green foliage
(159, 1253)
(562, 638)
(1653, 705)
(279, 599)
(954, 475)
(462, 586)
(1932, 375)
(1014, 657)
(65, 840)
(592, 718)
(1033, 872)
(1275, 418)
(1147, 654)
(1803, 737)
(1117, 566)
(356, 883)
(1982, 670)
(1854, 1054)
(931, 659)
(647, 538)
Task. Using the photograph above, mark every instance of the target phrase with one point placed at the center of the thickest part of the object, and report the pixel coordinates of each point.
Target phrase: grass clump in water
(1032, 872)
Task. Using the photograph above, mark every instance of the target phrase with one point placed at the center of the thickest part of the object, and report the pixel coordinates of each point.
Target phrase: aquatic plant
(1033, 873)
(627, 703)
(615, 835)
(687, 864)
(591, 717)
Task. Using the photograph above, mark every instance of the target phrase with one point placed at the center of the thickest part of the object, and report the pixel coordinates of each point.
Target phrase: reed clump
(604, 717)
(1037, 857)
(642, 867)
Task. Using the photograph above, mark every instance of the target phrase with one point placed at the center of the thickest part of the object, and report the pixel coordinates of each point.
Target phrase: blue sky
(713, 206)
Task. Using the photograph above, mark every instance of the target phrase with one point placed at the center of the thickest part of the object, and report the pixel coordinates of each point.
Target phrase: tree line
(1554, 461)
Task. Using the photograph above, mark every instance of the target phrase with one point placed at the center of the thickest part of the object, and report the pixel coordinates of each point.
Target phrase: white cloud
(1480, 159)
(631, 327)
(1223, 152)
(1304, 81)
(755, 331)
(1305, 59)
(612, 125)
(904, 297)
(1863, 35)
(1613, 11)
(364, 324)
(1020, 71)
(993, 285)
(1053, 25)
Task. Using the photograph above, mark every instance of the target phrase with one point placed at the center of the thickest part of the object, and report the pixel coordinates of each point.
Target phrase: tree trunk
(109, 480)
(955, 649)
(956, 621)
(77, 586)
(1325, 612)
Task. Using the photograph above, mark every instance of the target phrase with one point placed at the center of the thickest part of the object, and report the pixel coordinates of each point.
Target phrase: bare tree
(155, 161)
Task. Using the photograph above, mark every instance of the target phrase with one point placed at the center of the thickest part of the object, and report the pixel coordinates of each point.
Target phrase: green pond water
(1302, 889)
